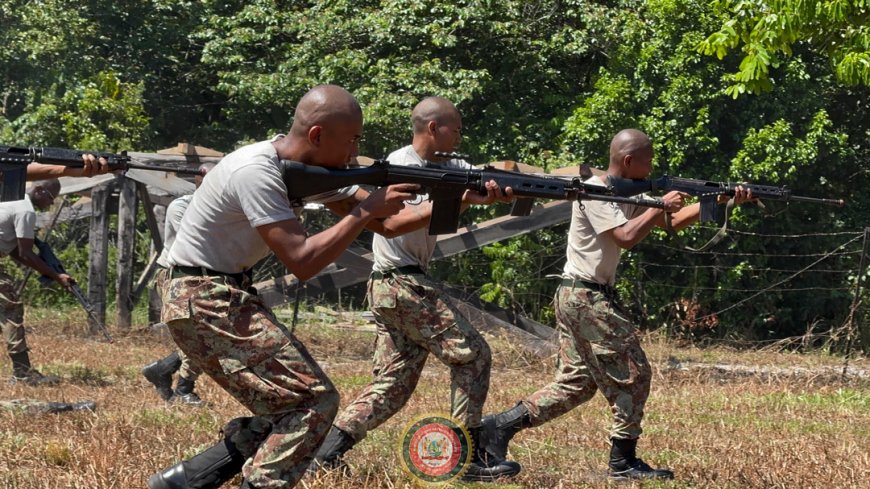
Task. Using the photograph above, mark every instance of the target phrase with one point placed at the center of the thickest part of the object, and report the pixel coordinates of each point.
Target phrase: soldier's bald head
(437, 109)
(205, 168)
(52, 185)
(324, 105)
(629, 142)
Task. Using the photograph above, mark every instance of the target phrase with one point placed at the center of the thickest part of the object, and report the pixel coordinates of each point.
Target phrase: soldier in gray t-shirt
(17, 222)
(160, 372)
(240, 214)
(414, 316)
(599, 348)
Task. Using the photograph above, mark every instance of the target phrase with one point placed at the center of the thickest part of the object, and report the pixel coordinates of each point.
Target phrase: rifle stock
(14, 161)
(446, 186)
(47, 255)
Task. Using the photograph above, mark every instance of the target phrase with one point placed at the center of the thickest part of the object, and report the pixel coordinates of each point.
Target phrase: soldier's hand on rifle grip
(65, 280)
(674, 201)
(386, 201)
(91, 166)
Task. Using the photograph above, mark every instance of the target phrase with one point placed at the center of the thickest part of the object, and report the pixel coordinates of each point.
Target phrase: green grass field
(713, 430)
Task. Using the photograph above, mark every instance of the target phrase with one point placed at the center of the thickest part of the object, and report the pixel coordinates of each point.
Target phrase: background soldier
(414, 317)
(238, 216)
(17, 223)
(160, 372)
(599, 347)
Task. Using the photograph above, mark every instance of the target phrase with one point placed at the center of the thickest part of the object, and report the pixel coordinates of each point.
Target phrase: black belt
(406, 270)
(573, 282)
(241, 278)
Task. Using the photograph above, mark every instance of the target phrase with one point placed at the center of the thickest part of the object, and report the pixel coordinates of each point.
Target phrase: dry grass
(714, 432)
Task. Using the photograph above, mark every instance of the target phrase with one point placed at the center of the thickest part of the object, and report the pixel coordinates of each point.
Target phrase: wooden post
(98, 241)
(126, 251)
(863, 329)
(150, 219)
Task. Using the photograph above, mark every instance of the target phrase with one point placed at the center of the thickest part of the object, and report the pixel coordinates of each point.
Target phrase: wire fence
(810, 264)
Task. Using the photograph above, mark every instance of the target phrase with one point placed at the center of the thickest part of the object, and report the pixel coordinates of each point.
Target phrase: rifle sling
(721, 233)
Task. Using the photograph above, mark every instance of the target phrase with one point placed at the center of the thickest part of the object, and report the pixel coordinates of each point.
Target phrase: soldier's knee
(246, 434)
(474, 350)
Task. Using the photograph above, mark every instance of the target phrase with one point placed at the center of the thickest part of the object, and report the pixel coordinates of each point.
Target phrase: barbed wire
(771, 255)
(791, 236)
(773, 286)
(728, 267)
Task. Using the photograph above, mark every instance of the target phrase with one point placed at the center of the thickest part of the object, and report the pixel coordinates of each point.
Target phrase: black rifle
(47, 255)
(14, 161)
(708, 192)
(445, 186)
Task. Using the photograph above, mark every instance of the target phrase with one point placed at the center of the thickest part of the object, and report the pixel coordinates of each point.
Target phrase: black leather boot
(330, 456)
(219, 463)
(159, 373)
(486, 466)
(22, 371)
(498, 429)
(624, 464)
(184, 392)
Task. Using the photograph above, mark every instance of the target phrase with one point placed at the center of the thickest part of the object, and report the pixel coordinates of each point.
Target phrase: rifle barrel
(86, 305)
(814, 200)
(180, 171)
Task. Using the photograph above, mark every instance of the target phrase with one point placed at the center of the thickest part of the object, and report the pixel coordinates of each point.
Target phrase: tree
(769, 31)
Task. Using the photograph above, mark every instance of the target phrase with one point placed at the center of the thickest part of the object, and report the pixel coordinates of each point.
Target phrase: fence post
(126, 251)
(98, 241)
(863, 329)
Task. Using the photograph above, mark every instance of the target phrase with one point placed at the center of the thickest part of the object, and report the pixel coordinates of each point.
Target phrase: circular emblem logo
(435, 449)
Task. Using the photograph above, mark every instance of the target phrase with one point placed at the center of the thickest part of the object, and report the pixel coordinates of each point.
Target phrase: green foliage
(102, 113)
(768, 31)
(511, 66)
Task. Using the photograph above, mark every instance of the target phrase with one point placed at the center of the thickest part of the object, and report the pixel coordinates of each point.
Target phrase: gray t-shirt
(17, 220)
(174, 214)
(414, 248)
(244, 191)
(592, 255)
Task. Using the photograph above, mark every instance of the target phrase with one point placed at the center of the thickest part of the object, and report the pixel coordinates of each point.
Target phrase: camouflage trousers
(599, 349)
(414, 319)
(186, 370)
(11, 315)
(237, 341)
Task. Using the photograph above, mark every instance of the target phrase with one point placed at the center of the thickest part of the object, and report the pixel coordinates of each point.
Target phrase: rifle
(47, 255)
(708, 192)
(445, 186)
(14, 161)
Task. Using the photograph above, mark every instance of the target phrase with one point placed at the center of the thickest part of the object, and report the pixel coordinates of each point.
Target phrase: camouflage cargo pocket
(176, 301)
(584, 311)
(382, 294)
(266, 381)
(421, 308)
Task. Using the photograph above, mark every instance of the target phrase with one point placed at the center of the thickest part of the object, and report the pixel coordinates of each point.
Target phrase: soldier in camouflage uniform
(30, 406)
(17, 222)
(599, 347)
(160, 372)
(240, 214)
(414, 317)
